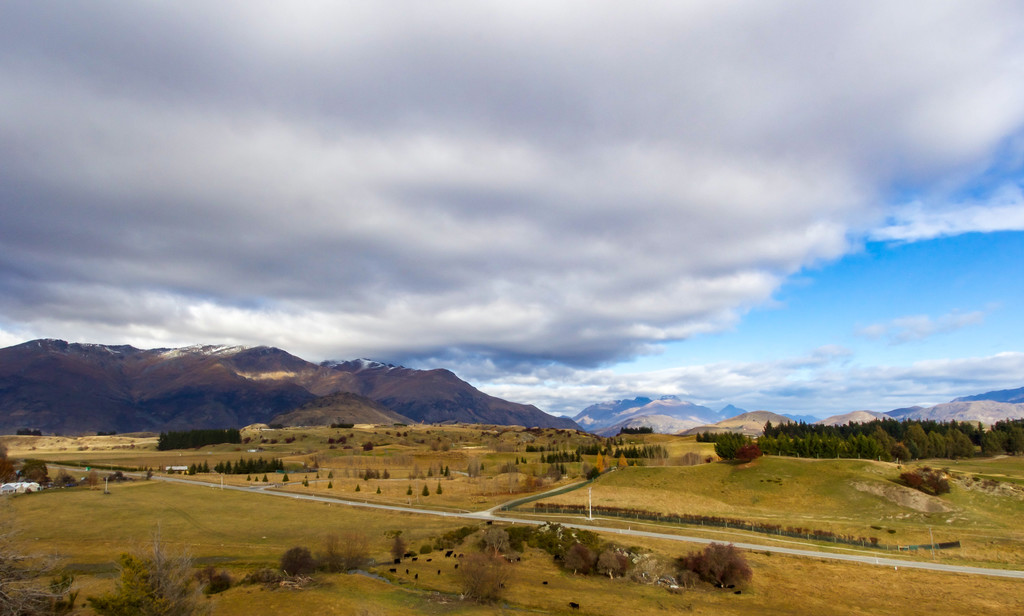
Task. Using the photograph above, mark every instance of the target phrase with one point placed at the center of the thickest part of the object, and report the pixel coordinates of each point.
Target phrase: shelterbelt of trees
(885, 439)
(190, 439)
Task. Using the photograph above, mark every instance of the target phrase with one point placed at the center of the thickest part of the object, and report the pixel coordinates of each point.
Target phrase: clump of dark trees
(637, 430)
(191, 439)
(242, 467)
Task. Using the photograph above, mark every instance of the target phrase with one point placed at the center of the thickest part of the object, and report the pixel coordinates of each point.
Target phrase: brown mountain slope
(438, 396)
(341, 407)
(55, 386)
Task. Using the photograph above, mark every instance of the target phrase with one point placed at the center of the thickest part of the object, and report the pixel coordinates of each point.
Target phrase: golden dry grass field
(244, 531)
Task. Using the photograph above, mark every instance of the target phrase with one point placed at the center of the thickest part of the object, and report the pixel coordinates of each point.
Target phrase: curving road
(488, 514)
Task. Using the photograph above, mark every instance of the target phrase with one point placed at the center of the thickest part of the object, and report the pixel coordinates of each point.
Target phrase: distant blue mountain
(1003, 395)
(808, 419)
(730, 410)
(666, 414)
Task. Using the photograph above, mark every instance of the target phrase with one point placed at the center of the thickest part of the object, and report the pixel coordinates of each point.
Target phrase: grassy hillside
(852, 497)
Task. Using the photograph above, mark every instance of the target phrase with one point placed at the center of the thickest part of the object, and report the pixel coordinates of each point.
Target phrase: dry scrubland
(242, 532)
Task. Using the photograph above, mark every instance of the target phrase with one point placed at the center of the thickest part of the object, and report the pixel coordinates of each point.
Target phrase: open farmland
(245, 531)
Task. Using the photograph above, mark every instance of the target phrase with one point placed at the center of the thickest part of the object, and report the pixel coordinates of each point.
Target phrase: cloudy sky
(807, 207)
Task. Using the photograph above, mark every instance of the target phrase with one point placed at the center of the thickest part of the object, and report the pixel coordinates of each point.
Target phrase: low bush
(214, 581)
(298, 561)
(718, 564)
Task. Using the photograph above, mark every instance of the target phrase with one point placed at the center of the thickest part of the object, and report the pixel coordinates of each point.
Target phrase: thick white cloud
(527, 184)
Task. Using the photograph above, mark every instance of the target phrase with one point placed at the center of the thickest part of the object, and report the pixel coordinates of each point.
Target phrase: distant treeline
(637, 430)
(197, 438)
(631, 452)
(249, 467)
(889, 439)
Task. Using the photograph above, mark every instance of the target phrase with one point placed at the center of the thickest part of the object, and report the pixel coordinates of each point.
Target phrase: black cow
(574, 605)
(392, 570)
(449, 553)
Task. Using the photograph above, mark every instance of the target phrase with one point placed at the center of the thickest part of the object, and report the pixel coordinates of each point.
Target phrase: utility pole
(932, 537)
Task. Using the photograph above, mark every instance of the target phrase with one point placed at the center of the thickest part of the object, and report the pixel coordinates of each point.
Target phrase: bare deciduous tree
(612, 562)
(483, 576)
(495, 541)
(6, 466)
(351, 550)
(154, 584)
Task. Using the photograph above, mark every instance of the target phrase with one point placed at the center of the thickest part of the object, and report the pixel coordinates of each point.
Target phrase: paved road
(488, 514)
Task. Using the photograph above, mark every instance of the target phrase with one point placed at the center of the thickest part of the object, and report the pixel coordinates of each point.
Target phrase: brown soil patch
(904, 497)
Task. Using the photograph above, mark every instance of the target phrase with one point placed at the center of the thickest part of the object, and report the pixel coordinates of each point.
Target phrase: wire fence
(712, 521)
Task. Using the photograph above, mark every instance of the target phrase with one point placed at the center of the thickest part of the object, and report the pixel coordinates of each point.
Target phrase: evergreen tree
(426, 491)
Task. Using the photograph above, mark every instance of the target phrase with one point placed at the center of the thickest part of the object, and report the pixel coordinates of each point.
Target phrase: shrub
(926, 480)
(263, 576)
(453, 538)
(214, 581)
(718, 564)
(298, 561)
(748, 452)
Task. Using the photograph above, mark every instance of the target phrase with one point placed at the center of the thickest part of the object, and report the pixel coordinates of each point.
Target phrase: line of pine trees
(889, 439)
(190, 439)
(249, 467)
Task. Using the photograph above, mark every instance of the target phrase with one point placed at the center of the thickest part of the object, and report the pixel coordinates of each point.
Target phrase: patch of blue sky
(889, 303)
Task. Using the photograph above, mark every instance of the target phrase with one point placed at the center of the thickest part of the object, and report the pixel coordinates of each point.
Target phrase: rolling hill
(751, 424)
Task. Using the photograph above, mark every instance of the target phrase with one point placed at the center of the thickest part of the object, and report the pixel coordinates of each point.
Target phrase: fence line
(870, 542)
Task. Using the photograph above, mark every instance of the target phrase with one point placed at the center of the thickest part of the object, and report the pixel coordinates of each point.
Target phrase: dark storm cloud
(526, 184)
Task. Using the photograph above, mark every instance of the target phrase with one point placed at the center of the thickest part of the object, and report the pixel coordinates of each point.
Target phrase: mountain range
(666, 415)
(57, 386)
(671, 415)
